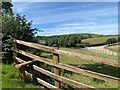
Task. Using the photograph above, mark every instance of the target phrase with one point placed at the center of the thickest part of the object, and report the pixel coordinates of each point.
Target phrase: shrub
(118, 39)
(110, 41)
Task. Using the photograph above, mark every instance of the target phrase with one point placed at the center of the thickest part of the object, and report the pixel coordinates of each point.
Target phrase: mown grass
(10, 78)
(96, 67)
(98, 40)
(113, 48)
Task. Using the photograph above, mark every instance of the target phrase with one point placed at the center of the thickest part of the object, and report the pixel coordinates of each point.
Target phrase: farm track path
(101, 49)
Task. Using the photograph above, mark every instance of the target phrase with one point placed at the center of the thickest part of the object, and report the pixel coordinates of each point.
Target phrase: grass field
(98, 40)
(10, 75)
(10, 78)
(113, 48)
(96, 67)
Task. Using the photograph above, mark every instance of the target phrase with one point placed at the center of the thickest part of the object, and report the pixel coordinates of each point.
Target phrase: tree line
(74, 40)
(70, 40)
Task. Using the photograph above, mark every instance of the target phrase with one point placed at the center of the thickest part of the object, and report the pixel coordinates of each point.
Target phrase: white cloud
(72, 25)
(85, 28)
(54, 18)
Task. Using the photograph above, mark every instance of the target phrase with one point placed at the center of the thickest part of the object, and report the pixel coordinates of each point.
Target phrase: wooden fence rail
(70, 54)
(57, 65)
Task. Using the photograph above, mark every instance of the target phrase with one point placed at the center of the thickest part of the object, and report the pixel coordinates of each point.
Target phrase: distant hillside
(75, 40)
(98, 40)
(81, 35)
(69, 40)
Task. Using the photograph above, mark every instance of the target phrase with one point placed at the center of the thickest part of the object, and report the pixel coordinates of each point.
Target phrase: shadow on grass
(100, 68)
(47, 55)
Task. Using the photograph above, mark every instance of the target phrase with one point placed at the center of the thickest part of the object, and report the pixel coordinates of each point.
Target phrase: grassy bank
(113, 48)
(10, 78)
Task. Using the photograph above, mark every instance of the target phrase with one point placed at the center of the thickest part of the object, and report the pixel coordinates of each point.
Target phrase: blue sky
(56, 18)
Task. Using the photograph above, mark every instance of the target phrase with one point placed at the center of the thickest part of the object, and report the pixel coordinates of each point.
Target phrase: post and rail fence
(22, 64)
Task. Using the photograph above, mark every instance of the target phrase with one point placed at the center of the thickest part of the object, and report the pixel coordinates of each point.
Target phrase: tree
(6, 39)
(14, 27)
(111, 40)
(73, 40)
(25, 32)
(118, 39)
(7, 8)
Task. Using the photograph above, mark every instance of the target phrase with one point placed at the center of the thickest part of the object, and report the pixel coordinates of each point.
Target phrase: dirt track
(101, 49)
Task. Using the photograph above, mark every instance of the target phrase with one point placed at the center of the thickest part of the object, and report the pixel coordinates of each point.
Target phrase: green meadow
(96, 67)
(98, 40)
(114, 48)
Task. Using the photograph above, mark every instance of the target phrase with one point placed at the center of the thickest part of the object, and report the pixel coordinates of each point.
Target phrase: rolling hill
(98, 40)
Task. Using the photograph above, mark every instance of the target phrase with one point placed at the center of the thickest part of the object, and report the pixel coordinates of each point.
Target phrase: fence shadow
(100, 68)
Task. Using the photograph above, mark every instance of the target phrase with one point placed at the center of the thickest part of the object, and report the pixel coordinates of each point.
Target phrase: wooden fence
(57, 66)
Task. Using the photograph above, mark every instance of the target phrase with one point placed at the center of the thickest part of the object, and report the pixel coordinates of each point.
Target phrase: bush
(118, 39)
(110, 41)
(81, 45)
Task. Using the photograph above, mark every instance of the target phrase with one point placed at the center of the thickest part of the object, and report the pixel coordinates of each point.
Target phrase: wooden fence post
(22, 73)
(14, 53)
(56, 70)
